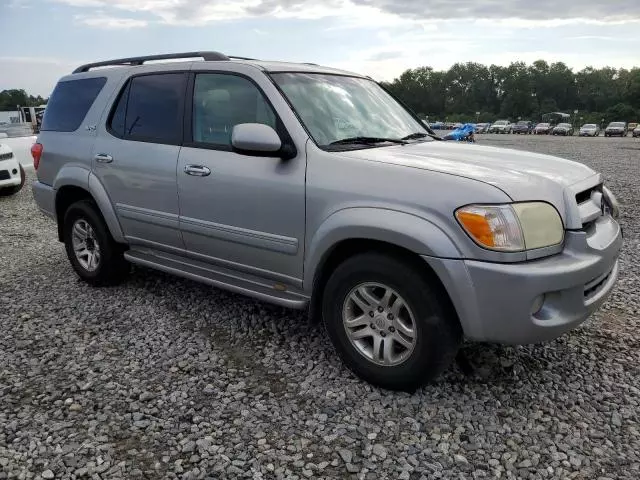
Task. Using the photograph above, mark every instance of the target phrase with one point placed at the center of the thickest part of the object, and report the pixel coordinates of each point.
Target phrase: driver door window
(222, 101)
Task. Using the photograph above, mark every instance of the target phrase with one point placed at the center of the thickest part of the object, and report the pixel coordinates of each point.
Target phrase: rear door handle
(197, 170)
(103, 158)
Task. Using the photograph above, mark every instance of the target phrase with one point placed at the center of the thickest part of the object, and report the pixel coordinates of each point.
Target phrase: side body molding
(402, 229)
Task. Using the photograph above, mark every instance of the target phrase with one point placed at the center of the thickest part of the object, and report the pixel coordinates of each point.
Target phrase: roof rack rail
(241, 58)
(207, 56)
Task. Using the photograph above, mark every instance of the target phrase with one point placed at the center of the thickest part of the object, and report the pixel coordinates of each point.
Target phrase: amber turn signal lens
(477, 226)
(495, 227)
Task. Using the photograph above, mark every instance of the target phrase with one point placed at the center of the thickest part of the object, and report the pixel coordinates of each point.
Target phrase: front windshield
(616, 124)
(501, 122)
(589, 126)
(543, 125)
(522, 122)
(564, 125)
(335, 107)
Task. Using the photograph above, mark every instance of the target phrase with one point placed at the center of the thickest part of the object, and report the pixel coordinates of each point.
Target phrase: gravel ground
(166, 378)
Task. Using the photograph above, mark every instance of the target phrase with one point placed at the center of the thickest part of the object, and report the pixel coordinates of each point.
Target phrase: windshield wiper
(415, 136)
(368, 140)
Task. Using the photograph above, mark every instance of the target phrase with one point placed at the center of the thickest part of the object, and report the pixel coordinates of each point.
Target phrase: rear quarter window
(70, 102)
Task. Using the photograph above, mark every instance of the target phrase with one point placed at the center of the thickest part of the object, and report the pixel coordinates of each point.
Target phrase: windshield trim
(329, 148)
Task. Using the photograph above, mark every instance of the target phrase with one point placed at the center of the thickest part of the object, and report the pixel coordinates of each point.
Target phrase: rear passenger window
(222, 101)
(70, 102)
(150, 109)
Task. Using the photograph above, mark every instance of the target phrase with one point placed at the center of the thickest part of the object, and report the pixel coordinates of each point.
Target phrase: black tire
(112, 267)
(7, 192)
(438, 332)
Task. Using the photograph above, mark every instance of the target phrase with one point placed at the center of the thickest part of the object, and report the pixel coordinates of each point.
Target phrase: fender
(78, 176)
(103, 201)
(75, 175)
(398, 228)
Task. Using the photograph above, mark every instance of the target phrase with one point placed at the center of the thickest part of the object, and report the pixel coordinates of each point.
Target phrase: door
(136, 156)
(239, 212)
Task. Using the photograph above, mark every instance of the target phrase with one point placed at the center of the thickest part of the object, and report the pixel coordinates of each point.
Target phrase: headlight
(512, 228)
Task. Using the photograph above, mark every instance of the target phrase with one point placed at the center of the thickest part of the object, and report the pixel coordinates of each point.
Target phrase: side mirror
(256, 139)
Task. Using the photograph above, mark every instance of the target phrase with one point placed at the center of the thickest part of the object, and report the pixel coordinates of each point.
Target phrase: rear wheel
(92, 251)
(388, 322)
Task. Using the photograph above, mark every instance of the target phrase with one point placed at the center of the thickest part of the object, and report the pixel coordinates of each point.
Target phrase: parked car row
(527, 127)
(620, 129)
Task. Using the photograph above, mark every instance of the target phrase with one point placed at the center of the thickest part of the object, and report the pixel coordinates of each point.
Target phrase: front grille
(4, 175)
(6, 156)
(590, 205)
(585, 196)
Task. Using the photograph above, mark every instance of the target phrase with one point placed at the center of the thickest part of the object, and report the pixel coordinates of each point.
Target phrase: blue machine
(463, 133)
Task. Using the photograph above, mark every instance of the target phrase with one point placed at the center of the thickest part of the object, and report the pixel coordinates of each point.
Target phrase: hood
(521, 175)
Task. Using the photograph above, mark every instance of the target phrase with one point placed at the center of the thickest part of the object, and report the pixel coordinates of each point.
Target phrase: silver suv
(314, 188)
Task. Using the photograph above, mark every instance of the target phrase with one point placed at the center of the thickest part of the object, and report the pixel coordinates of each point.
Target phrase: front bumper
(9, 173)
(494, 301)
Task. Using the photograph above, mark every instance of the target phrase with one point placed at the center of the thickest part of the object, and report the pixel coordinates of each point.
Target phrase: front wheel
(388, 322)
(92, 251)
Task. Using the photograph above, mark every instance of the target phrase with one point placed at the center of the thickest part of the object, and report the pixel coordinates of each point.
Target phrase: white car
(589, 130)
(501, 126)
(12, 174)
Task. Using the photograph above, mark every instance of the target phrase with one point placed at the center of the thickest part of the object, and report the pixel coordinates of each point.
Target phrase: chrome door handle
(103, 158)
(197, 170)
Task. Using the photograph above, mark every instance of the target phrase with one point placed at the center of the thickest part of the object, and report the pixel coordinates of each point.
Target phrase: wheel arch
(393, 233)
(83, 185)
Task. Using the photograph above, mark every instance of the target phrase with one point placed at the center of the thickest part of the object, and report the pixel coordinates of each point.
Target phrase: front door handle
(197, 170)
(103, 158)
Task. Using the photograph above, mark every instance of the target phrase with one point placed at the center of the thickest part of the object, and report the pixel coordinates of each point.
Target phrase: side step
(219, 277)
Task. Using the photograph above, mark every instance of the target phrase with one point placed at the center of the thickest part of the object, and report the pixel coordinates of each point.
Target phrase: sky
(45, 39)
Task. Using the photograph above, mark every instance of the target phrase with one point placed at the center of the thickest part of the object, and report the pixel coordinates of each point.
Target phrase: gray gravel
(165, 378)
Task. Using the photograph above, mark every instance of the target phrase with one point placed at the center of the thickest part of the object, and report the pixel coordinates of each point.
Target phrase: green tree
(519, 90)
(622, 112)
(10, 99)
